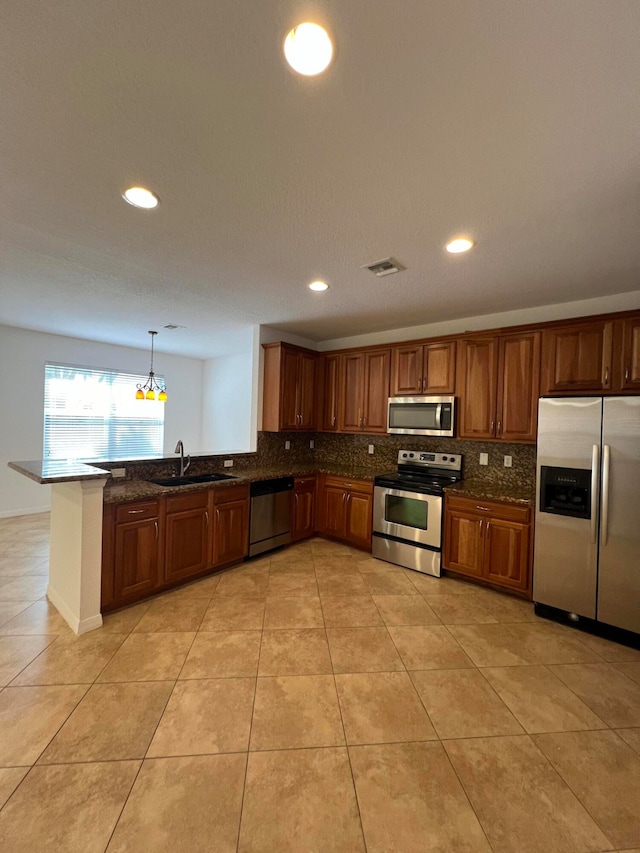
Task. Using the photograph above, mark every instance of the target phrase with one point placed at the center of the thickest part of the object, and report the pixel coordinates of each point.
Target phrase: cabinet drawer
(192, 500)
(364, 486)
(228, 494)
(495, 509)
(137, 511)
(304, 483)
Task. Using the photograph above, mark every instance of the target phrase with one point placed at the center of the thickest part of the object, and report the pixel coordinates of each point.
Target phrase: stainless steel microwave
(421, 415)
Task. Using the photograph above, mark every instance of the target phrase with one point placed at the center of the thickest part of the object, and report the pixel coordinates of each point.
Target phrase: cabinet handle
(156, 524)
(134, 511)
(217, 515)
(499, 430)
(206, 515)
(626, 374)
(482, 528)
(483, 508)
(606, 376)
(333, 421)
(364, 421)
(492, 430)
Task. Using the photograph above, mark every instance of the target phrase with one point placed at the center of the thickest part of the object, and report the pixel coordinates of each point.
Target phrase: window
(92, 414)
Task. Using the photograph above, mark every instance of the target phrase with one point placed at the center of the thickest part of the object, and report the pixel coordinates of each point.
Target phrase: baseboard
(15, 513)
(78, 626)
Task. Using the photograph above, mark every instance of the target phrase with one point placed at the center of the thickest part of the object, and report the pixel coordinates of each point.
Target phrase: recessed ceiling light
(460, 244)
(308, 49)
(318, 286)
(140, 197)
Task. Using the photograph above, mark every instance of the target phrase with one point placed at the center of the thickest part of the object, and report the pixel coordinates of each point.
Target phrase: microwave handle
(439, 415)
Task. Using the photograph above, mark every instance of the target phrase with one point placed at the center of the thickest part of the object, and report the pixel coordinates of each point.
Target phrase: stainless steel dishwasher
(270, 524)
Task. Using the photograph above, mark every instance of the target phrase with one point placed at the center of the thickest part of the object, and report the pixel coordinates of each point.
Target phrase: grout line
(246, 766)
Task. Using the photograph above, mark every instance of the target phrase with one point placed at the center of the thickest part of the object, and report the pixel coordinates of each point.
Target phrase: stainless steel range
(407, 509)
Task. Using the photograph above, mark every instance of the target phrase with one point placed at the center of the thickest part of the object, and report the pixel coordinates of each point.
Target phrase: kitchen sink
(191, 481)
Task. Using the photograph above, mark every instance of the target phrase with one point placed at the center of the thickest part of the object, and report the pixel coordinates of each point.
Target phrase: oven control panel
(424, 459)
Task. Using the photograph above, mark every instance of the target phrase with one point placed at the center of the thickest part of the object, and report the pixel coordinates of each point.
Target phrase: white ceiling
(516, 122)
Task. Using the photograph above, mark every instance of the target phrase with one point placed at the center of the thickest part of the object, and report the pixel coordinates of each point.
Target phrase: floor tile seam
(578, 697)
(33, 660)
(500, 699)
(246, 764)
(124, 804)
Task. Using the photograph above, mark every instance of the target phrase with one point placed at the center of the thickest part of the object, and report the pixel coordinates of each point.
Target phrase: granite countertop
(47, 471)
(484, 491)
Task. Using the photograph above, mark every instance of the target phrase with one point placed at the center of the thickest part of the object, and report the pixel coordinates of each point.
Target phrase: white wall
(22, 358)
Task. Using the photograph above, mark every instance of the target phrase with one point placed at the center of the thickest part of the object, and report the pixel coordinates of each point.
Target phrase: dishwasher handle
(271, 487)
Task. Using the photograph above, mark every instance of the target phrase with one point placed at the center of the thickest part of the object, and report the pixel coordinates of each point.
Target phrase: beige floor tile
(351, 611)
(221, 654)
(610, 694)
(327, 548)
(382, 707)
(460, 609)
(300, 800)
(301, 566)
(302, 651)
(241, 614)
(461, 703)
(506, 608)
(405, 610)
(540, 701)
(148, 657)
(492, 645)
(609, 651)
(183, 804)
(18, 652)
(112, 722)
(16, 567)
(522, 803)
(363, 650)
(631, 670)
(388, 583)
(348, 584)
(172, 615)
(292, 584)
(549, 643)
(71, 659)
(428, 585)
(10, 778)
(299, 611)
(71, 808)
(24, 588)
(125, 620)
(411, 800)
(632, 737)
(327, 566)
(368, 564)
(296, 711)
(30, 717)
(604, 773)
(9, 609)
(428, 647)
(244, 582)
(299, 553)
(39, 617)
(205, 716)
(202, 588)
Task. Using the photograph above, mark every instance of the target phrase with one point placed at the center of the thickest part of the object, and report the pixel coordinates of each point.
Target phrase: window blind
(92, 414)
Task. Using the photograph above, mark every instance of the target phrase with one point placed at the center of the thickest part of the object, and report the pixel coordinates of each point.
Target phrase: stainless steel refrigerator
(587, 536)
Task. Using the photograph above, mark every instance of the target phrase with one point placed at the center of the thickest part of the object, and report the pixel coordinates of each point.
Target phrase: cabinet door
(376, 390)
(477, 378)
(186, 543)
(630, 357)
(577, 358)
(329, 392)
(136, 558)
(352, 392)
(463, 542)
(506, 553)
(359, 513)
(334, 511)
(306, 391)
(518, 387)
(230, 532)
(406, 370)
(289, 390)
(439, 371)
(303, 510)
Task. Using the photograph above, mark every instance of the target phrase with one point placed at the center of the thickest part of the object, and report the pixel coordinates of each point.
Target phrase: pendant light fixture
(148, 390)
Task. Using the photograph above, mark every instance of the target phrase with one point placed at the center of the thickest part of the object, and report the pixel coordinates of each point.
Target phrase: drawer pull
(626, 374)
(483, 508)
(206, 516)
(135, 511)
(156, 525)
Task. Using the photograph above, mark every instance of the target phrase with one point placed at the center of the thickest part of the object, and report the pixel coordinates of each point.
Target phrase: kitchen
(292, 662)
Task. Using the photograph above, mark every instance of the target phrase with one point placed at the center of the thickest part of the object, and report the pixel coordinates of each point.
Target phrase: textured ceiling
(515, 122)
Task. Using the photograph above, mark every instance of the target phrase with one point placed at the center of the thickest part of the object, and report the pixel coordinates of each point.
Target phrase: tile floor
(313, 700)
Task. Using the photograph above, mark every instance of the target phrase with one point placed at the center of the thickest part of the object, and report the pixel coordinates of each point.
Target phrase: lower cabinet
(489, 541)
(136, 550)
(303, 508)
(345, 509)
(230, 525)
(187, 535)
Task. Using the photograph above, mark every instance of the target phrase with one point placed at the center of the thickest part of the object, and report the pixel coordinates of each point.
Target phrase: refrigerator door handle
(595, 466)
(604, 519)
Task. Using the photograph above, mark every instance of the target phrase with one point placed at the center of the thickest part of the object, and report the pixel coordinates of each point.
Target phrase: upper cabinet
(289, 388)
(627, 339)
(365, 391)
(577, 358)
(418, 369)
(329, 378)
(498, 386)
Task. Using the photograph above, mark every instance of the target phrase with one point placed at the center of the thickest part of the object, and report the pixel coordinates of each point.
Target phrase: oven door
(410, 516)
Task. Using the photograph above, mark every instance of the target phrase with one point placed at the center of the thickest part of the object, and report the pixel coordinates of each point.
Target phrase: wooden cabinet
(230, 524)
(365, 391)
(345, 510)
(329, 376)
(489, 541)
(577, 358)
(187, 535)
(303, 508)
(289, 388)
(627, 361)
(423, 369)
(499, 379)
(131, 551)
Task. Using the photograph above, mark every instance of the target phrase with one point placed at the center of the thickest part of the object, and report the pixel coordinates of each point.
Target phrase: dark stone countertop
(48, 471)
(484, 491)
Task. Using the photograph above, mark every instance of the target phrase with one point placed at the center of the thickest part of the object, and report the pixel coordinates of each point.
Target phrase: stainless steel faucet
(183, 465)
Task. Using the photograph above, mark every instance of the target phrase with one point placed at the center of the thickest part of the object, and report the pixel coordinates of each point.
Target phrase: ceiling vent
(385, 267)
(172, 327)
